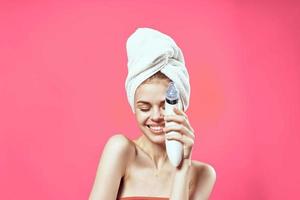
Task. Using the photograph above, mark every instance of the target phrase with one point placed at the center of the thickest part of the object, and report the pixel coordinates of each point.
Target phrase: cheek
(142, 117)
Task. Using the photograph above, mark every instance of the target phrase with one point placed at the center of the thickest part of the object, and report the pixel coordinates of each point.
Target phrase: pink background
(62, 74)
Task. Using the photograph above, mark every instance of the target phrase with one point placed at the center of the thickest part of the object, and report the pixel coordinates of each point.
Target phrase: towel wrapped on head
(150, 51)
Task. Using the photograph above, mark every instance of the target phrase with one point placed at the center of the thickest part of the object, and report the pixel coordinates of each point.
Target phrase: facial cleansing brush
(174, 148)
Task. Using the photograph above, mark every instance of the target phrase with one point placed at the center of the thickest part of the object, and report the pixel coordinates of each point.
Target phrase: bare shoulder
(119, 145)
(120, 141)
(202, 180)
(112, 166)
(202, 168)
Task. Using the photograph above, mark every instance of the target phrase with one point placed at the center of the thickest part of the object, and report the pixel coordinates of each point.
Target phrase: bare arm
(204, 182)
(111, 168)
(205, 175)
(180, 187)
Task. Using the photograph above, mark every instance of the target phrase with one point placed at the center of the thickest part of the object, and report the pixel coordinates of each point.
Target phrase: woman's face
(149, 109)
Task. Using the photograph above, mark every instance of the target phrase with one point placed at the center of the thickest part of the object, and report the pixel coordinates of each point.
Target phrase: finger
(179, 112)
(187, 141)
(182, 113)
(181, 129)
(178, 119)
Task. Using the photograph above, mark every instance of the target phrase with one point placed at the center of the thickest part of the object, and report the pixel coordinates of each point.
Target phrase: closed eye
(144, 110)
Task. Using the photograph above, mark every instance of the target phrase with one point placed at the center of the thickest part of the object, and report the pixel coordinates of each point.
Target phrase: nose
(157, 114)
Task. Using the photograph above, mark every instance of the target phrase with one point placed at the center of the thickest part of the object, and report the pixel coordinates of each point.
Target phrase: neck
(156, 152)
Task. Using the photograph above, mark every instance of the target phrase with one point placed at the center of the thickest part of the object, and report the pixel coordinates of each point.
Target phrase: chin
(159, 139)
(154, 137)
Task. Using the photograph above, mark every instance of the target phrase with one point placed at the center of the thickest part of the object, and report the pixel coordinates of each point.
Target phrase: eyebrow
(146, 102)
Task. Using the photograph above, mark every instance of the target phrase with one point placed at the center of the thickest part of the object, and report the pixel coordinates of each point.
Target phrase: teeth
(156, 128)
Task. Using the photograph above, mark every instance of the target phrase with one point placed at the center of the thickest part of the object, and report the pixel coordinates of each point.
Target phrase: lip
(163, 125)
(157, 132)
(148, 125)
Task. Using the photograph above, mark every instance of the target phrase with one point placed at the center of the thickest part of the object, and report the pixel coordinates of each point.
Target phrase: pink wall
(62, 73)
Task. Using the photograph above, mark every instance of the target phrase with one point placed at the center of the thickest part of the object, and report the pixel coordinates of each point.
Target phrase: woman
(140, 169)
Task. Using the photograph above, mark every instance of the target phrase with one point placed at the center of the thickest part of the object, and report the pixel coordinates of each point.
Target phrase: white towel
(150, 51)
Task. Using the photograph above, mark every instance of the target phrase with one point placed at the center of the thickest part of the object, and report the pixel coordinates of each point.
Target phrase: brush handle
(174, 148)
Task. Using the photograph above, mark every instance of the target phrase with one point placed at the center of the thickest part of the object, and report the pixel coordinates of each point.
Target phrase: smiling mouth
(156, 129)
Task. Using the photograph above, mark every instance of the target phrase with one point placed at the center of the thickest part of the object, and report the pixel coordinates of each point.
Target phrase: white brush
(174, 148)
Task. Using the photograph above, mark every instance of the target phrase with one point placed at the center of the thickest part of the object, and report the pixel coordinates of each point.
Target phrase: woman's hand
(185, 133)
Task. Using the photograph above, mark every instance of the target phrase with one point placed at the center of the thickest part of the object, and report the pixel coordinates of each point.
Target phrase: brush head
(172, 94)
